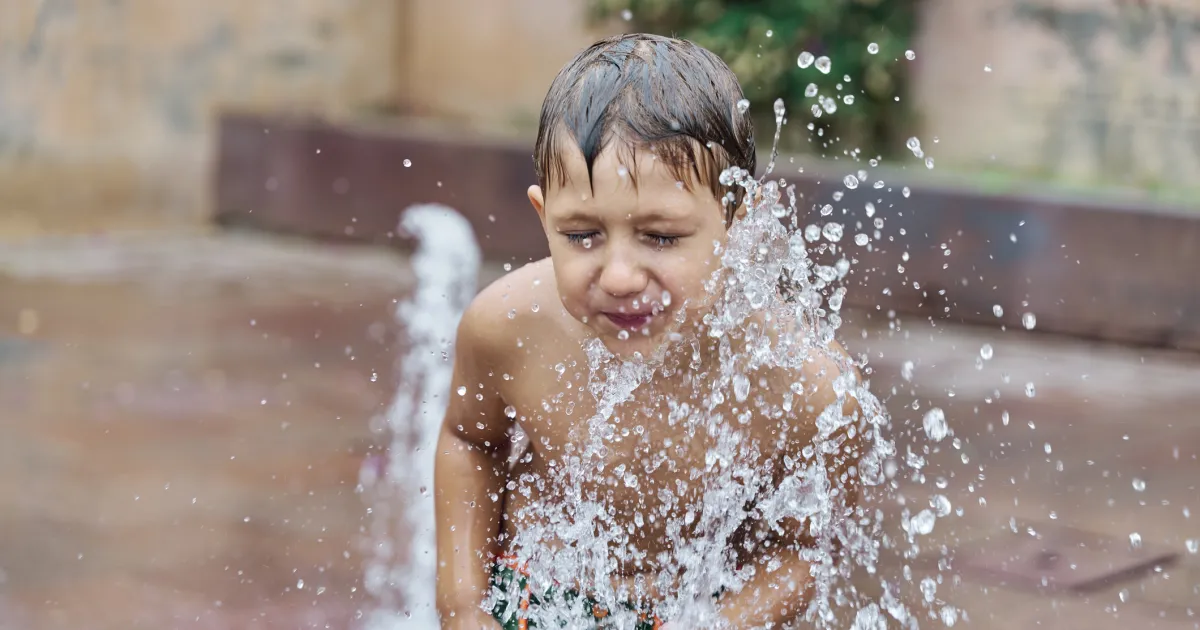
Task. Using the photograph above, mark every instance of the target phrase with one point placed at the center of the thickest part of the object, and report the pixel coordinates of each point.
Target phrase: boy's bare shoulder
(505, 310)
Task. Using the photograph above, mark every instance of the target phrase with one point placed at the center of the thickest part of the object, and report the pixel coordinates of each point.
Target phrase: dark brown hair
(650, 92)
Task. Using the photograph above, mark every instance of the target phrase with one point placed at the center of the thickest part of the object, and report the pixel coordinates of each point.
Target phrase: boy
(634, 135)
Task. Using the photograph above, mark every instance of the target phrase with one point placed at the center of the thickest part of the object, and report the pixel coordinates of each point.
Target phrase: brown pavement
(183, 419)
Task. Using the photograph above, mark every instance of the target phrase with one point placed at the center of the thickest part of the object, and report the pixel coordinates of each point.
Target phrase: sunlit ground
(182, 423)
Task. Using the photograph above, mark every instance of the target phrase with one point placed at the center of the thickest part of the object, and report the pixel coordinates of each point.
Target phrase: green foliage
(761, 40)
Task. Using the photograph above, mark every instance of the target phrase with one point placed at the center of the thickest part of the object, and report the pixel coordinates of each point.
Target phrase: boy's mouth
(630, 321)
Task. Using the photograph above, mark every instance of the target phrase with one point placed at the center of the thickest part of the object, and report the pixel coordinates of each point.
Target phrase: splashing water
(767, 284)
(446, 266)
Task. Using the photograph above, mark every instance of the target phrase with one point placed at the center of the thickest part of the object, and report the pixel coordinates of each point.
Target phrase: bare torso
(654, 466)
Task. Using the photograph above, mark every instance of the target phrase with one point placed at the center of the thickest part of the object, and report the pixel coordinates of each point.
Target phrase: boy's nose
(621, 277)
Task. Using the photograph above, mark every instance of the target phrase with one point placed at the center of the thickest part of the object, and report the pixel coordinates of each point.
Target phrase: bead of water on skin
(998, 310)
(1004, 417)
(623, 335)
(823, 64)
(535, 308)
(986, 352)
(872, 48)
(666, 298)
(910, 55)
(1030, 390)
(1135, 540)
(1139, 485)
(743, 106)
(1029, 321)
(805, 59)
(462, 390)
(510, 411)
(935, 424)
(861, 240)
(1192, 545)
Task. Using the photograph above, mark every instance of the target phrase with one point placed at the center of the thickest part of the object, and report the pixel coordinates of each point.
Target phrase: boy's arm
(469, 478)
(781, 596)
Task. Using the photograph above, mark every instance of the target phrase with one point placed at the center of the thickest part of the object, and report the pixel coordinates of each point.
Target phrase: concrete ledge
(1119, 271)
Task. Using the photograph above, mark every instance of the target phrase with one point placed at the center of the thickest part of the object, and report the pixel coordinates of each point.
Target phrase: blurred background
(199, 269)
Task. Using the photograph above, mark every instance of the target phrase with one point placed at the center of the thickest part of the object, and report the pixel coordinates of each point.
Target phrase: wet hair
(640, 91)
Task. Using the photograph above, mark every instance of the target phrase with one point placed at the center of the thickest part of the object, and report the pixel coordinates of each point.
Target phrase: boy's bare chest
(649, 459)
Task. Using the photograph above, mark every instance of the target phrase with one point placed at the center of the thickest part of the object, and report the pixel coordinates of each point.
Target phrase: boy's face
(627, 259)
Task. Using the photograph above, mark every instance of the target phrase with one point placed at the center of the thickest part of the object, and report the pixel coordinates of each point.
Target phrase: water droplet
(512, 313)
(811, 90)
(823, 64)
(998, 310)
(832, 231)
(462, 390)
(666, 298)
(300, 584)
(508, 266)
(1030, 391)
(1192, 545)
(913, 144)
(407, 162)
(626, 15)
(535, 308)
(929, 163)
(949, 615)
(510, 411)
(374, 377)
(935, 424)
(905, 191)
(1139, 485)
(1004, 418)
(780, 109)
(922, 523)
(743, 106)
(741, 387)
(986, 352)
(906, 370)
(623, 335)
(851, 182)
(910, 55)
(872, 48)
(861, 240)
(804, 60)
(870, 209)
(848, 99)
(941, 504)
(1029, 321)
(987, 68)
(1135, 541)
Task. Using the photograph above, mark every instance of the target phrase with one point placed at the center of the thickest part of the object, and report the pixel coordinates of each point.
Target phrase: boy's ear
(538, 202)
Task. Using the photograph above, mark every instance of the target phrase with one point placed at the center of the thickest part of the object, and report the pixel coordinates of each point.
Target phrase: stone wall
(1080, 90)
(107, 108)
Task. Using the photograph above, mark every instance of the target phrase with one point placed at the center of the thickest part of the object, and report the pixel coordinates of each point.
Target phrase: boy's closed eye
(658, 240)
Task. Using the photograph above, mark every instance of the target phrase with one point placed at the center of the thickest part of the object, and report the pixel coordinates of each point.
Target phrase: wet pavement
(183, 419)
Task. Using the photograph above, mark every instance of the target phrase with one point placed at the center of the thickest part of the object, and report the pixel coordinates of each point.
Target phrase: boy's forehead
(619, 166)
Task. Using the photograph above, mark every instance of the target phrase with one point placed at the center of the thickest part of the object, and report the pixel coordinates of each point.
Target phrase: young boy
(633, 137)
